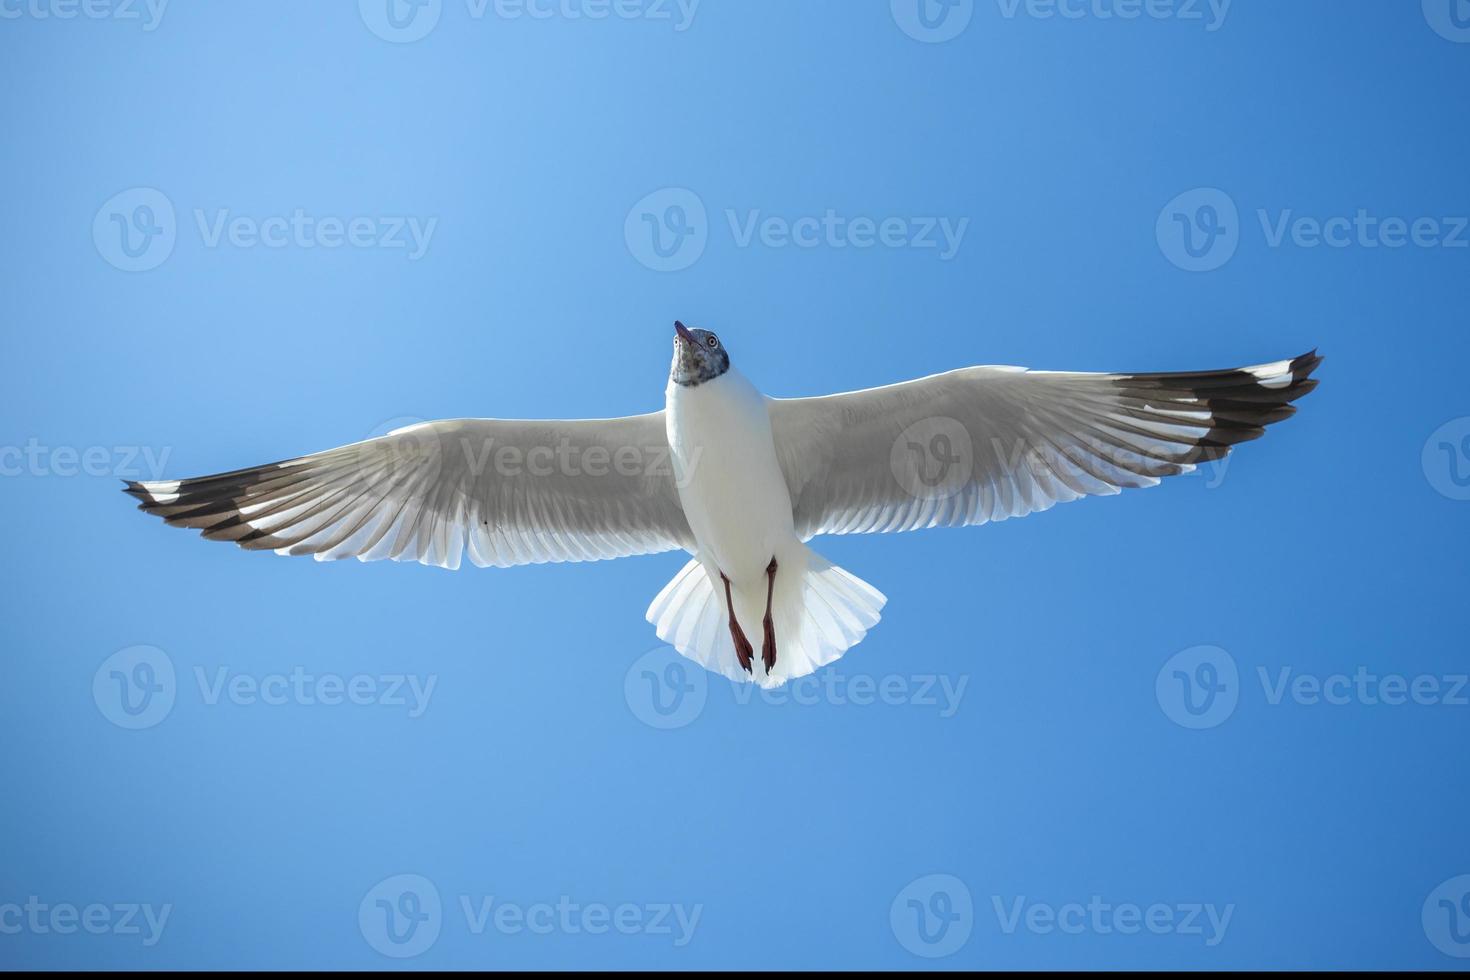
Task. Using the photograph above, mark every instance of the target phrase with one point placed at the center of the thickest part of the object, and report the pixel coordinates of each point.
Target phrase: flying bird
(741, 482)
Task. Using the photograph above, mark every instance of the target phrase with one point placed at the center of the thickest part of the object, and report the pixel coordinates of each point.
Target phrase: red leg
(768, 646)
(743, 650)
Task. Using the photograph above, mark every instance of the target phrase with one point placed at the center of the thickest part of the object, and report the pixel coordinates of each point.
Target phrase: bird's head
(698, 356)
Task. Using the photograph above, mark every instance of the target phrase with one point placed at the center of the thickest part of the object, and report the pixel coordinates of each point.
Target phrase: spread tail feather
(820, 611)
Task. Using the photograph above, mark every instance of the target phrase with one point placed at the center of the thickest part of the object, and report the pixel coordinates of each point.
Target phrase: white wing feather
(987, 443)
(503, 492)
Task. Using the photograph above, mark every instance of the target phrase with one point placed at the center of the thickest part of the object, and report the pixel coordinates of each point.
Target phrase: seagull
(741, 482)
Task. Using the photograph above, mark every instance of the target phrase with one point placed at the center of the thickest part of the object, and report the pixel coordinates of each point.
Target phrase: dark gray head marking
(699, 356)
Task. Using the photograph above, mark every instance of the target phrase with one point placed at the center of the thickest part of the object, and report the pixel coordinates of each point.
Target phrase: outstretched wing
(986, 443)
(505, 492)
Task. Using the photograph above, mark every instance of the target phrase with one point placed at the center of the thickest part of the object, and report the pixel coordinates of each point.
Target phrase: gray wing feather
(988, 443)
(502, 492)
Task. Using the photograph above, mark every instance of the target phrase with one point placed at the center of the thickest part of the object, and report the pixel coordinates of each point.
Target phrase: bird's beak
(683, 332)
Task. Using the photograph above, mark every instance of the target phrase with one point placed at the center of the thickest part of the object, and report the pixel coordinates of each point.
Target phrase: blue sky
(240, 235)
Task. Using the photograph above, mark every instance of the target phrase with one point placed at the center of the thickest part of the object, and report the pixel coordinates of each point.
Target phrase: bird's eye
(714, 341)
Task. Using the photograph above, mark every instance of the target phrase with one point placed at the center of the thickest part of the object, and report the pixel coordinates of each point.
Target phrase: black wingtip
(1303, 366)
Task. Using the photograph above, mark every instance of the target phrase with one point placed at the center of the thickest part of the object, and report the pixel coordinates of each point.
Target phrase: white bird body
(752, 480)
(735, 498)
(729, 480)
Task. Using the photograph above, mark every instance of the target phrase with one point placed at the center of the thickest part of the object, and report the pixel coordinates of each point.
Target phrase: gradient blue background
(529, 777)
